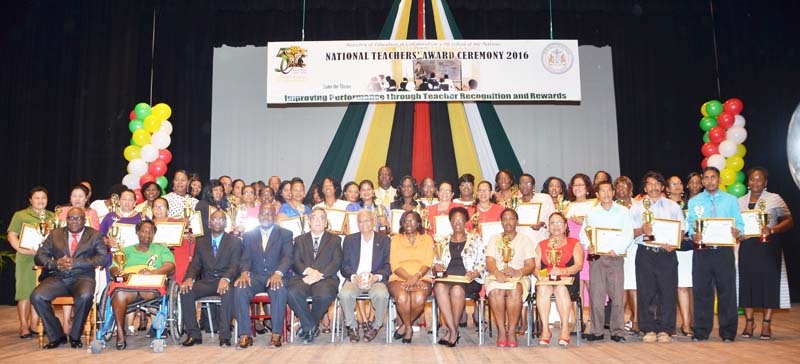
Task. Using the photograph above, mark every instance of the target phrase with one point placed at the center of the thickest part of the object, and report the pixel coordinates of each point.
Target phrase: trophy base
(120, 279)
(648, 238)
(383, 230)
(700, 246)
(441, 274)
(553, 278)
(592, 257)
(764, 239)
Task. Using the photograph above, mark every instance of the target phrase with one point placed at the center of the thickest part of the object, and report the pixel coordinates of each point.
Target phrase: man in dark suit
(216, 263)
(366, 270)
(264, 266)
(70, 255)
(316, 260)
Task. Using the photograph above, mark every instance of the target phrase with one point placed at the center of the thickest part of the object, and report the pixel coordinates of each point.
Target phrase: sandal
(766, 330)
(748, 322)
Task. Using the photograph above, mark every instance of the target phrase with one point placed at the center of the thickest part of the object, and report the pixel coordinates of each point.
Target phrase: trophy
(120, 259)
(554, 257)
(476, 217)
(147, 212)
(589, 230)
(188, 213)
(426, 224)
(439, 247)
(763, 220)
(380, 212)
(42, 226)
(506, 252)
(115, 203)
(647, 218)
(301, 210)
(699, 226)
(561, 204)
(56, 221)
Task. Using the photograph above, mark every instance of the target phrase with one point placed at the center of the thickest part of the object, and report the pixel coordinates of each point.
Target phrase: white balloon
(727, 148)
(149, 152)
(736, 134)
(137, 167)
(131, 181)
(166, 127)
(160, 140)
(738, 120)
(717, 161)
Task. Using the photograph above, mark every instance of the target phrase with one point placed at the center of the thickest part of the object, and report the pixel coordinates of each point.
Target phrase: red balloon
(157, 168)
(708, 149)
(132, 115)
(726, 119)
(733, 106)
(146, 178)
(704, 163)
(716, 134)
(139, 197)
(165, 156)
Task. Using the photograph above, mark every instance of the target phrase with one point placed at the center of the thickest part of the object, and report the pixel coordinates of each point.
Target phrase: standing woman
(443, 207)
(405, 200)
(331, 190)
(694, 183)
(466, 190)
(623, 193)
(427, 190)
(238, 185)
(180, 192)
(78, 197)
(212, 198)
(125, 215)
(350, 192)
(150, 191)
(579, 190)
(195, 186)
(487, 210)
(284, 192)
(760, 263)
(367, 201)
(247, 216)
(26, 276)
(554, 187)
(503, 182)
(295, 206)
(675, 193)
(268, 197)
(600, 176)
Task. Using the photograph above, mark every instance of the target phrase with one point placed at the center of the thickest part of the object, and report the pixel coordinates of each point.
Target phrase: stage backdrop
(252, 141)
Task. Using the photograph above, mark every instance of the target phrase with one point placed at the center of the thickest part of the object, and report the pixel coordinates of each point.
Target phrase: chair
(364, 296)
(206, 303)
(256, 306)
(535, 322)
(88, 326)
(391, 316)
(480, 305)
(333, 321)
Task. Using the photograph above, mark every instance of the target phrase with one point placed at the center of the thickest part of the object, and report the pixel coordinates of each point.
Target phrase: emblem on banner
(291, 57)
(557, 58)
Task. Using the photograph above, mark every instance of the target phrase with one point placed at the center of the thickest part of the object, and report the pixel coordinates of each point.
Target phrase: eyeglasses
(556, 223)
(74, 218)
(248, 193)
(217, 219)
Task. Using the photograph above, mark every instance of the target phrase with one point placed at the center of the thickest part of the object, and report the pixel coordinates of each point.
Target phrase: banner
(423, 70)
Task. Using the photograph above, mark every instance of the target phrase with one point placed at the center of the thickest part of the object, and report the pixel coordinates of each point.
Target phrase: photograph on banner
(423, 70)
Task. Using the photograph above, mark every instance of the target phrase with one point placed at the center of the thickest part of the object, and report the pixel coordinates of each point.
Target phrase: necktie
(264, 239)
(316, 247)
(214, 245)
(73, 245)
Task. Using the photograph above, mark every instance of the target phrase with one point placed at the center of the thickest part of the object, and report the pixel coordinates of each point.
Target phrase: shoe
(309, 338)
(592, 337)
(275, 342)
(699, 338)
(650, 337)
(563, 342)
(513, 344)
(300, 333)
(370, 334)
(56, 343)
(619, 339)
(190, 341)
(261, 331)
(76, 344)
(132, 330)
(686, 333)
(727, 340)
(315, 331)
(453, 344)
(143, 324)
(628, 326)
(352, 334)
(408, 340)
(766, 330)
(543, 341)
(442, 342)
(751, 323)
(664, 338)
(502, 343)
(26, 336)
(397, 335)
(244, 342)
(121, 345)
(224, 342)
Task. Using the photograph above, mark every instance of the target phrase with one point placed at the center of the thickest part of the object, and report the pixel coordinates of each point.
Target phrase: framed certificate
(196, 223)
(127, 232)
(751, 227)
(452, 278)
(336, 220)
(489, 229)
(292, 224)
(30, 238)
(442, 224)
(396, 215)
(667, 232)
(604, 239)
(146, 280)
(169, 233)
(529, 213)
(580, 209)
(717, 231)
(352, 222)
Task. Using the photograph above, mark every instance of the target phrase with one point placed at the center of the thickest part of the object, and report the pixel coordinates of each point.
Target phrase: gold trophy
(56, 221)
(763, 220)
(506, 252)
(426, 224)
(699, 226)
(147, 212)
(561, 205)
(380, 213)
(647, 218)
(120, 259)
(188, 213)
(43, 226)
(589, 230)
(301, 210)
(115, 203)
(476, 218)
(554, 257)
(439, 247)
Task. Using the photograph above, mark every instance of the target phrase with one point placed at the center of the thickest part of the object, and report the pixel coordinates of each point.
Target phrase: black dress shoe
(309, 337)
(699, 338)
(190, 341)
(619, 339)
(121, 345)
(56, 343)
(245, 341)
(26, 336)
(592, 337)
(76, 344)
(224, 342)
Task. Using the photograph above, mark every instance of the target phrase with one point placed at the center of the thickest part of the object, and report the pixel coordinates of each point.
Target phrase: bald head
(76, 218)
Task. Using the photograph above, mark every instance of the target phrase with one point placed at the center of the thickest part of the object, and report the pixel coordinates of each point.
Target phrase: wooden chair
(91, 321)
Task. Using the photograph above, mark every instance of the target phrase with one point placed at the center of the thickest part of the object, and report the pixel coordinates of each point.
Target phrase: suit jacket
(208, 267)
(351, 250)
(277, 257)
(91, 252)
(329, 256)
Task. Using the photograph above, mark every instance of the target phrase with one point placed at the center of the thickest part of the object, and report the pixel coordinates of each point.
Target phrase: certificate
(442, 224)
(489, 229)
(396, 215)
(604, 239)
(292, 224)
(751, 227)
(580, 209)
(336, 220)
(529, 213)
(452, 278)
(352, 222)
(566, 281)
(717, 231)
(196, 224)
(127, 232)
(146, 280)
(169, 233)
(29, 237)
(667, 232)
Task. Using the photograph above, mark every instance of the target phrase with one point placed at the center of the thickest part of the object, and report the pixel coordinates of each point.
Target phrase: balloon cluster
(724, 134)
(147, 155)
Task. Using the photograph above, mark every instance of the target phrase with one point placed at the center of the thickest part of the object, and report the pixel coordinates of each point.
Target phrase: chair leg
(481, 307)
(291, 326)
(435, 319)
(578, 322)
(210, 321)
(335, 323)
(40, 328)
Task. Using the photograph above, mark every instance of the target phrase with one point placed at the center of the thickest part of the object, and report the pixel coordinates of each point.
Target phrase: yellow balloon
(162, 110)
(723, 188)
(703, 109)
(152, 123)
(141, 137)
(734, 163)
(131, 152)
(727, 176)
(741, 151)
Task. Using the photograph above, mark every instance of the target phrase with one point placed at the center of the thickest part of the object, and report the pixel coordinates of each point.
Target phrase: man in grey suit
(215, 263)
(316, 260)
(70, 255)
(366, 270)
(264, 267)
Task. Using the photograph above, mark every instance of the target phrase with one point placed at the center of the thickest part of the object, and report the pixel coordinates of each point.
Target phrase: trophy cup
(42, 226)
(380, 212)
(115, 203)
(699, 226)
(188, 213)
(554, 257)
(120, 259)
(439, 247)
(426, 224)
(560, 204)
(763, 220)
(301, 210)
(147, 212)
(506, 252)
(56, 221)
(476, 218)
(589, 230)
(647, 218)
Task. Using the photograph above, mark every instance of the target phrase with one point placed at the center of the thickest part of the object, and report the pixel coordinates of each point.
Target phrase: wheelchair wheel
(174, 319)
(104, 332)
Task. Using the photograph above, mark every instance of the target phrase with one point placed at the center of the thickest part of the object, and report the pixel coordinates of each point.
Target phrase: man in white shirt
(385, 193)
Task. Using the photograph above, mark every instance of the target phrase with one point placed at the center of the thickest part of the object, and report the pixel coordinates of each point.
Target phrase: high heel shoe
(407, 341)
(766, 329)
(397, 335)
(543, 341)
(453, 344)
(121, 345)
(748, 334)
(686, 333)
(563, 342)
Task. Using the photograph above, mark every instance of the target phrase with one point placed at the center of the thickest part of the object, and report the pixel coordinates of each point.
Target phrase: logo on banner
(557, 58)
(291, 58)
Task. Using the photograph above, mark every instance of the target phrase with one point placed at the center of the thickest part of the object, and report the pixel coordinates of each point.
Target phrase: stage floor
(785, 347)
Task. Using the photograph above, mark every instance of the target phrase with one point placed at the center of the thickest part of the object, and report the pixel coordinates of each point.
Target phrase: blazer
(329, 256)
(351, 250)
(277, 257)
(91, 252)
(208, 267)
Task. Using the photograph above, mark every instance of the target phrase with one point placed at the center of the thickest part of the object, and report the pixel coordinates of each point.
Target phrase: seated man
(316, 259)
(366, 269)
(264, 266)
(70, 254)
(215, 262)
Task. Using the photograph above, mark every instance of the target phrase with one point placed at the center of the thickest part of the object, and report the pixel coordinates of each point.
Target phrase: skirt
(26, 277)
(684, 268)
(629, 268)
(492, 284)
(760, 273)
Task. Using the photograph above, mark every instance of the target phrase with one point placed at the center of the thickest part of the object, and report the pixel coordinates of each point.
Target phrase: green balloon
(131, 142)
(706, 139)
(707, 123)
(740, 177)
(714, 108)
(737, 189)
(135, 125)
(162, 182)
(142, 110)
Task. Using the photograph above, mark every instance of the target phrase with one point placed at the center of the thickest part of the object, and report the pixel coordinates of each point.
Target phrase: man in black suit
(316, 260)
(70, 254)
(366, 270)
(264, 267)
(216, 263)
